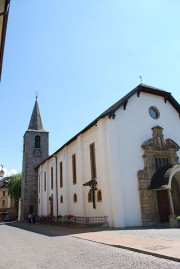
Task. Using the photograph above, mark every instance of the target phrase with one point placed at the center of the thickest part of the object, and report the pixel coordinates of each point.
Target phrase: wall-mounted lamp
(1, 171)
(6, 9)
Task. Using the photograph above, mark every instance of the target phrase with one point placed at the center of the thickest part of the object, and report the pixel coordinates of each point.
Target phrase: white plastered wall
(133, 127)
(118, 158)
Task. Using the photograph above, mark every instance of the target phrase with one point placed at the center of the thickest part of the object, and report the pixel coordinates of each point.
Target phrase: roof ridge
(123, 101)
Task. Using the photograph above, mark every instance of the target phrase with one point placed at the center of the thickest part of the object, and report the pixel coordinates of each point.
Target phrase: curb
(134, 250)
(147, 252)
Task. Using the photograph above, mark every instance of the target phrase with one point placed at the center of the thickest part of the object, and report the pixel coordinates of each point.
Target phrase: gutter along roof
(123, 102)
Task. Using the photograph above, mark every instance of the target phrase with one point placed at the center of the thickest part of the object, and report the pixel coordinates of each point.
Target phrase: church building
(123, 167)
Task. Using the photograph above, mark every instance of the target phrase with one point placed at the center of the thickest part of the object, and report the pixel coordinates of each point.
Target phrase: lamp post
(1, 171)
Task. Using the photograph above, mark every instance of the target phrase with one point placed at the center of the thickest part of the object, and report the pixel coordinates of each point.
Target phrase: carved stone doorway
(163, 205)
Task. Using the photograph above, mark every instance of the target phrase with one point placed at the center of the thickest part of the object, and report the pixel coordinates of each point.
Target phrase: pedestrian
(29, 218)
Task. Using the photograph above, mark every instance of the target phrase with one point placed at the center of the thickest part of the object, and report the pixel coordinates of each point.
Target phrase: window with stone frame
(37, 141)
(90, 196)
(4, 193)
(161, 161)
(75, 198)
(93, 160)
(39, 184)
(61, 174)
(51, 178)
(45, 181)
(74, 168)
(61, 199)
(99, 196)
(3, 202)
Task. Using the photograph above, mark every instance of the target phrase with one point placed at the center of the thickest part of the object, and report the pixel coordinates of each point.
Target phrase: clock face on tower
(37, 153)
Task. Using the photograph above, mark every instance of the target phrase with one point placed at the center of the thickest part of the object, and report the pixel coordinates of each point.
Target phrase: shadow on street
(53, 230)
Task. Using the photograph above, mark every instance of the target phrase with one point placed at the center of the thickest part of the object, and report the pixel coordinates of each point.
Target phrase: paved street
(36, 248)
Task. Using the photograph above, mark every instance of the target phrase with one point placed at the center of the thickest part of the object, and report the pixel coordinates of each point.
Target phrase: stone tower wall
(31, 158)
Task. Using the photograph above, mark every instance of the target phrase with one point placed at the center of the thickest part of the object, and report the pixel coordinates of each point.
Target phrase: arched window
(99, 196)
(75, 198)
(90, 197)
(37, 141)
(61, 199)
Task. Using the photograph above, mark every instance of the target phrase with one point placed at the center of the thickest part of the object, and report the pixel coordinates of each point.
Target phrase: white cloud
(8, 173)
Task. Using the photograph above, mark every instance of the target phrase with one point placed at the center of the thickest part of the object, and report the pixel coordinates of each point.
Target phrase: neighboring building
(35, 150)
(6, 202)
(4, 11)
(123, 165)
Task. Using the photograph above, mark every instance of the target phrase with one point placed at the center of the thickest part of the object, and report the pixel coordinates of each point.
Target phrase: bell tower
(35, 150)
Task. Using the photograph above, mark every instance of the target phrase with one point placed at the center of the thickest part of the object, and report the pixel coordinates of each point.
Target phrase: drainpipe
(56, 188)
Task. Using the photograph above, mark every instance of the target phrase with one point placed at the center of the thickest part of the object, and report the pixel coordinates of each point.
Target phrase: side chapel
(123, 167)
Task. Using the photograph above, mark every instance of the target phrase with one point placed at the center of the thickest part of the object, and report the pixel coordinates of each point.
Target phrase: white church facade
(123, 166)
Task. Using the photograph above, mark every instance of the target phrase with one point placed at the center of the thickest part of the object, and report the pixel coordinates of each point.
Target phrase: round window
(154, 112)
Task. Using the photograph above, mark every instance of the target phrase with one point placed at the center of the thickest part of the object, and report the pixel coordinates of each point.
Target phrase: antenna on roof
(140, 79)
(36, 95)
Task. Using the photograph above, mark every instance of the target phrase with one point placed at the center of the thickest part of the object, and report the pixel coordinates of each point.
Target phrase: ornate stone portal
(159, 154)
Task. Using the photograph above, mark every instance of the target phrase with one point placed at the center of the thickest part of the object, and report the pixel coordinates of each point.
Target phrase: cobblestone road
(22, 249)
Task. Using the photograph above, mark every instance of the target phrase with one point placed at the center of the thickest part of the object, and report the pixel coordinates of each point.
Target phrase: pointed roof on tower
(35, 122)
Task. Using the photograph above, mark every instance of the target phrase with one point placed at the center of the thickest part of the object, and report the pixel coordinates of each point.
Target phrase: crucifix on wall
(92, 184)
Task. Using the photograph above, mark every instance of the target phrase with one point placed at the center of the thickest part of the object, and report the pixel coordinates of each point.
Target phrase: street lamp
(1, 171)
(6, 10)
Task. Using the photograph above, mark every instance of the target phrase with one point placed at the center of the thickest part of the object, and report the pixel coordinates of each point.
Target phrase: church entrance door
(163, 205)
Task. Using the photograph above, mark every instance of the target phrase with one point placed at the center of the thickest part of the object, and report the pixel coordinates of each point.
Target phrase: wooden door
(163, 205)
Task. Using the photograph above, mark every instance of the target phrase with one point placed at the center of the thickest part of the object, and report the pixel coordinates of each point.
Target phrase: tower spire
(35, 121)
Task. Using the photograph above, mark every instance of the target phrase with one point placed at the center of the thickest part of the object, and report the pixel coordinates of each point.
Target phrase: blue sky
(81, 57)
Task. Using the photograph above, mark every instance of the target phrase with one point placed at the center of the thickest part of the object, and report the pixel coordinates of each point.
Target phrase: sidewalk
(163, 248)
(159, 242)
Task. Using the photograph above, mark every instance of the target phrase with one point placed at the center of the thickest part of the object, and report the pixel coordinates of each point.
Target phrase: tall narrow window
(61, 199)
(44, 181)
(51, 178)
(39, 184)
(3, 202)
(90, 197)
(37, 141)
(99, 196)
(74, 168)
(4, 193)
(75, 198)
(160, 162)
(93, 160)
(61, 174)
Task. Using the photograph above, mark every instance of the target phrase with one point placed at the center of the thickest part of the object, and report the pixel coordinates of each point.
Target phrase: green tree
(14, 189)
